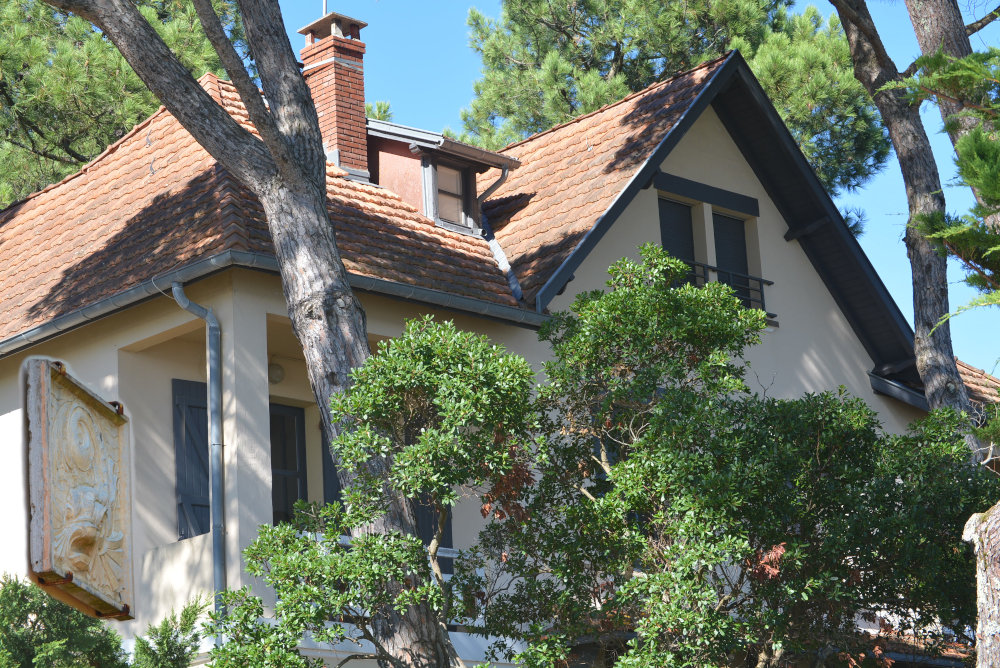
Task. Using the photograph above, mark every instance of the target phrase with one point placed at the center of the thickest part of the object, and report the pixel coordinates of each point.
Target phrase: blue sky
(418, 58)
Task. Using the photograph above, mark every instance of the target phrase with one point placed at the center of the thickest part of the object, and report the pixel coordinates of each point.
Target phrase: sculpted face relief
(79, 493)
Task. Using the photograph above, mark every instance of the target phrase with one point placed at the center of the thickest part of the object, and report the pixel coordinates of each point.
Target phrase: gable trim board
(834, 253)
(702, 192)
(639, 181)
(159, 285)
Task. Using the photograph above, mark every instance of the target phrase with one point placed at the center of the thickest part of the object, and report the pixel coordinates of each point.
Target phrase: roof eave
(436, 141)
(159, 285)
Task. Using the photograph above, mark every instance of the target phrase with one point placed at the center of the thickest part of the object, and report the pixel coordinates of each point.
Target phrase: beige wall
(813, 347)
(132, 356)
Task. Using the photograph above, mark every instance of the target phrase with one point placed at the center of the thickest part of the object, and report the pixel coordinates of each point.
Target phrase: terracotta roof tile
(156, 200)
(983, 388)
(571, 174)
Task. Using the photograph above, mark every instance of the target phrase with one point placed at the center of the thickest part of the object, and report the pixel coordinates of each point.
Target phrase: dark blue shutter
(731, 254)
(191, 455)
(676, 233)
(331, 483)
(288, 460)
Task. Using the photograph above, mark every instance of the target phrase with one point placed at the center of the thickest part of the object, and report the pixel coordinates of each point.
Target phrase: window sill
(460, 229)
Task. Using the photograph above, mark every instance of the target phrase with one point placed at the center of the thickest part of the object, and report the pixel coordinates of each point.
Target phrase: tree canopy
(973, 84)
(545, 63)
(37, 630)
(66, 92)
(676, 519)
(641, 504)
(450, 413)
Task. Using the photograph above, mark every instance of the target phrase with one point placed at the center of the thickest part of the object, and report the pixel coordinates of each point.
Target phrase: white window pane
(449, 180)
(450, 208)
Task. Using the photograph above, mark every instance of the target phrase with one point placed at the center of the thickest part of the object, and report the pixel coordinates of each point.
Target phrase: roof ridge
(208, 78)
(644, 91)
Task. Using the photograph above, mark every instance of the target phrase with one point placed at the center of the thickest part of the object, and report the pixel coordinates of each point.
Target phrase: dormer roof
(425, 141)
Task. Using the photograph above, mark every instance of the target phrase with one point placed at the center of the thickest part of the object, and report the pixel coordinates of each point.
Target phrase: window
(714, 244)
(731, 255)
(450, 195)
(450, 199)
(676, 231)
(288, 458)
(190, 400)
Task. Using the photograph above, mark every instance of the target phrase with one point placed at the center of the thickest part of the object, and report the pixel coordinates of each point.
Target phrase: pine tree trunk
(938, 24)
(285, 166)
(873, 68)
(983, 531)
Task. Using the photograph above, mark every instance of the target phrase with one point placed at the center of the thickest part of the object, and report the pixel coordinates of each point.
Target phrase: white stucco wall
(812, 348)
(132, 356)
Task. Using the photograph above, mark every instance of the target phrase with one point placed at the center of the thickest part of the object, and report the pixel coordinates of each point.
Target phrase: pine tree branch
(73, 158)
(240, 78)
(42, 153)
(976, 26)
(290, 101)
(241, 153)
(867, 28)
(910, 70)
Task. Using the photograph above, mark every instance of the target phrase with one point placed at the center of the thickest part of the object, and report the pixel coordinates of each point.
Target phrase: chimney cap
(332, 24)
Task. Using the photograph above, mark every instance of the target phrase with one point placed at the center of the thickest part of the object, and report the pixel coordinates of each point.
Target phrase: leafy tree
(450, 415)
(37, 630)
(677, 520)
(66, 92)
(545, 63)
(174, 642)
(646, 508)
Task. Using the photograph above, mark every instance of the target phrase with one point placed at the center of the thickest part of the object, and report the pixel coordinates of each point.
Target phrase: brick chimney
(333, 67)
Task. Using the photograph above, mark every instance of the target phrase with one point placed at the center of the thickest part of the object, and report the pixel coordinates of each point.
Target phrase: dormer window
(435, 174)
(450, 196)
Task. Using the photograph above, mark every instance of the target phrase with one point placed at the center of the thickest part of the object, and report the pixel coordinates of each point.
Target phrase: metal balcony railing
(749, 289)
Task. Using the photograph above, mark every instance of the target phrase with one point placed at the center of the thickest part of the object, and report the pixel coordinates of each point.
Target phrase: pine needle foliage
(972, 238)
(66, 92)
(545, 63)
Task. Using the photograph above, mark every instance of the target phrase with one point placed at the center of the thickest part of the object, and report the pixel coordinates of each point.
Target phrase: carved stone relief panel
(79, 493)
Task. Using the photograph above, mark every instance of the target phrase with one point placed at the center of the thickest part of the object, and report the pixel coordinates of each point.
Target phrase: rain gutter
(263, 262)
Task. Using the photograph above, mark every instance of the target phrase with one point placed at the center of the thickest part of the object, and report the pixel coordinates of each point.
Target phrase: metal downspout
(495, 248)
(213, 337)
(505, 171)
